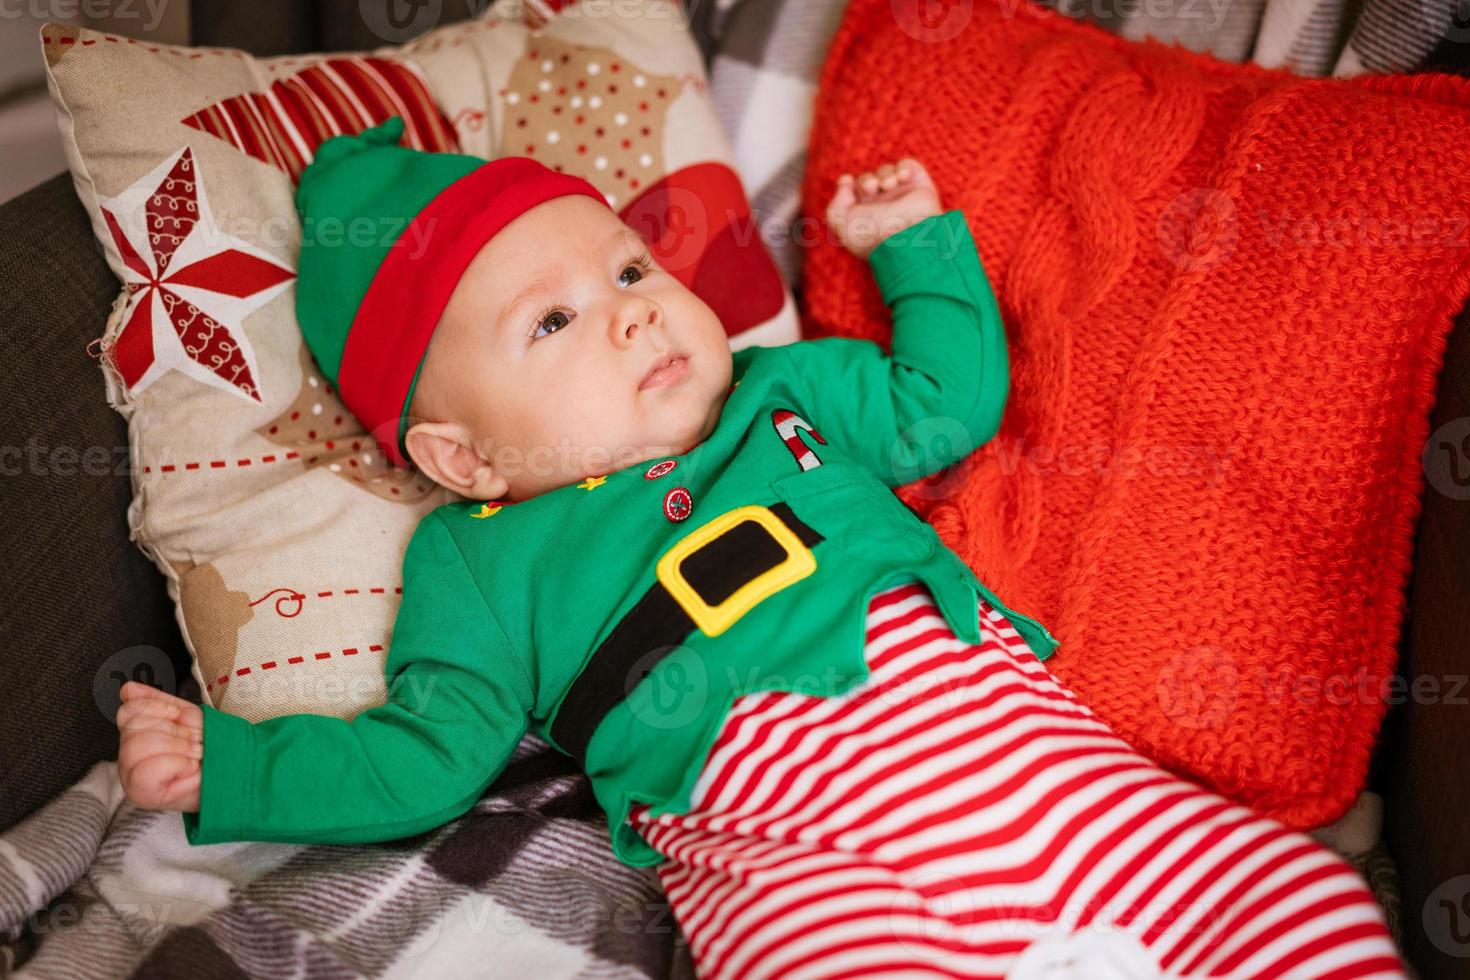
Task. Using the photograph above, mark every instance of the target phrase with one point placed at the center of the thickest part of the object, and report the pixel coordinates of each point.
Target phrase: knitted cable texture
(1227, 293)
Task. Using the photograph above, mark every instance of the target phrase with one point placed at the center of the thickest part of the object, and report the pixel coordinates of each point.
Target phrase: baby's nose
(632, 327)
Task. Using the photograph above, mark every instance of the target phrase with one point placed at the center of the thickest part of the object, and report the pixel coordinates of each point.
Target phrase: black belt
(659, 622)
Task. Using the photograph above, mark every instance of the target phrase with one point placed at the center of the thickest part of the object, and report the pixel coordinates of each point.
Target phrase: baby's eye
(637, 274)
(551, 323)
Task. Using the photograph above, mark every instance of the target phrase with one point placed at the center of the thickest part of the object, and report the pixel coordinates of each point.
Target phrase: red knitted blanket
(1227, 293)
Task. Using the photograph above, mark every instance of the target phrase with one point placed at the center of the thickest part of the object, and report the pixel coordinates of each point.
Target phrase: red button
(659, 469)
(678, 505)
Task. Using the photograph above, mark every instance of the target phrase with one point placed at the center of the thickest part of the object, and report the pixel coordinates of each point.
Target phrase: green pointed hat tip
(386, 133)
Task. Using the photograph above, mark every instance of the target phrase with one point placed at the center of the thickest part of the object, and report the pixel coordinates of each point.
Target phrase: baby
(685, 568)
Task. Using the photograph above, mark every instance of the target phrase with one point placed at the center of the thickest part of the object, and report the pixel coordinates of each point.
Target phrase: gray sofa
(79, 598)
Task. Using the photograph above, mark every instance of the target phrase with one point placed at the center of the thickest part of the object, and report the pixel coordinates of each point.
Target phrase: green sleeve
(940, 394)
(459, 702)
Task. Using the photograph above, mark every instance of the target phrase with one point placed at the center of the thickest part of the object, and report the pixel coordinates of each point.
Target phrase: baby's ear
(446, 454)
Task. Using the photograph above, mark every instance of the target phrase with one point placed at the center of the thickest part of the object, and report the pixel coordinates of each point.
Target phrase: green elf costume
(618, 618)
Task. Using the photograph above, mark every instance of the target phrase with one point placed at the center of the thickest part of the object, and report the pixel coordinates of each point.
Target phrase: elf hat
(387, 232)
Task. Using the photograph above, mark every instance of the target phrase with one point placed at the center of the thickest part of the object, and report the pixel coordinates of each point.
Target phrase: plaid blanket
(524, 885)
(764, 58)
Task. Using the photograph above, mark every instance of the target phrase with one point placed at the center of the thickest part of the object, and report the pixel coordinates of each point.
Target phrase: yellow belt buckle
(714, 620)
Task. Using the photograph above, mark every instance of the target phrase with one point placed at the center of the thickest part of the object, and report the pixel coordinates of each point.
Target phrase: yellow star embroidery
(486, 511)
(592, 482)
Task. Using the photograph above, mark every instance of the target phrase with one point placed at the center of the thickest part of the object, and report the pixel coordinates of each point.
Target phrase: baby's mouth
(667, 370)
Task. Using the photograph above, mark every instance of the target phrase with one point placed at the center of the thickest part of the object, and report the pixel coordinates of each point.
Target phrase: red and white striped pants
(960, 813)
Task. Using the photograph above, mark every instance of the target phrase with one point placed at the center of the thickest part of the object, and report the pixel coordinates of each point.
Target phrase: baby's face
(542, 371)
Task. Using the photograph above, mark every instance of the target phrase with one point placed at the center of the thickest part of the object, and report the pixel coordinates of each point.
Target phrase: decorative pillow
(1227, 292)
(279, 528)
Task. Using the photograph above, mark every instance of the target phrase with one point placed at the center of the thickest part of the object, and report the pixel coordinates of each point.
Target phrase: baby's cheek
(609, 426)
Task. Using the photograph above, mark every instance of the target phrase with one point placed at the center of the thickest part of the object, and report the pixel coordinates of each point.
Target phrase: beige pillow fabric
(279, 527)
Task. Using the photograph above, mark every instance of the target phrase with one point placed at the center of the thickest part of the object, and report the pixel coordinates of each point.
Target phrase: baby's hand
(867, 209)
(162, 743)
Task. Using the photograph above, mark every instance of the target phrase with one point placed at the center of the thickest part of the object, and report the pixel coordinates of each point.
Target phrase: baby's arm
(942, 391)
(459, 702)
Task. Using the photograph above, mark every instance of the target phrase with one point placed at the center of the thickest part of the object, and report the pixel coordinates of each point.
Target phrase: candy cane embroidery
(787, 423)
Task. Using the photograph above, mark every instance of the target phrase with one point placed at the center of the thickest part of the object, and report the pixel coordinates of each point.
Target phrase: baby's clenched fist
(160, 749)
(866, 209)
